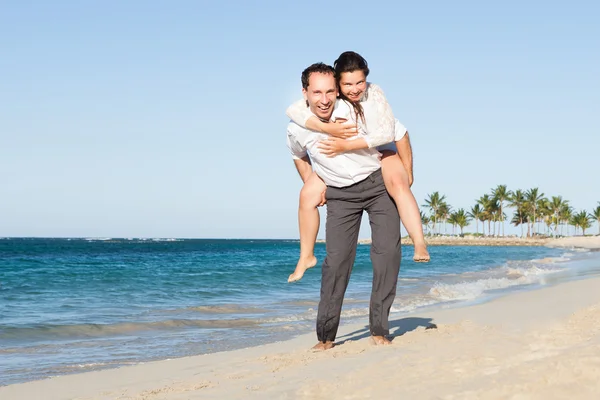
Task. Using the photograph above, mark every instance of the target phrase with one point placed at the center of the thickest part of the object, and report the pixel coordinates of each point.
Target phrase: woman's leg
(396, 183)
(308, 223)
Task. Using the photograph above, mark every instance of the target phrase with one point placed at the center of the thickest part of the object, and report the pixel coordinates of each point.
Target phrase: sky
(167, 119)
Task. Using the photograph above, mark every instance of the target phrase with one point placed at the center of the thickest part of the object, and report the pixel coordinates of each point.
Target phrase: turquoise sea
(74, 305)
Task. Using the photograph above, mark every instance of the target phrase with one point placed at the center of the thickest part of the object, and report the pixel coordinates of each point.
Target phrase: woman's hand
(333, 146)
(340, 129)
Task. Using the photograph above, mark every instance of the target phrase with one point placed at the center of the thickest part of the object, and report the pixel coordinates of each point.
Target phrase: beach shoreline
(585, 242)
(532, 343)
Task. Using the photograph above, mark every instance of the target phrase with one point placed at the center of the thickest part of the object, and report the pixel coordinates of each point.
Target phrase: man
(354, 184)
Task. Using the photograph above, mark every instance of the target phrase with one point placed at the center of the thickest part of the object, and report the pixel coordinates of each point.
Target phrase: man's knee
(388, 248)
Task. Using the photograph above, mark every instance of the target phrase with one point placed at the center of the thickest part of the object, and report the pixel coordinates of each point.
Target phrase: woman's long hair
(350, 61)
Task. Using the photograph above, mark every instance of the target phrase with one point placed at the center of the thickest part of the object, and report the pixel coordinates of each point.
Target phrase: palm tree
(461, 219)
(477, 214)
(501, 194)
(519, 218)
(556, 205)
(517, 200)
(485, 203)
(585, 221)
(533, 196)
(566, 215)
(492, 209)
(444, 212)
(452, 220)
(581, 220)
(425, 220)
(434, 202)
(596, 215)
(545, 213)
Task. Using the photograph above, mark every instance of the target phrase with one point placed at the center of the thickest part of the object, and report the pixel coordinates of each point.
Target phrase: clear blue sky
(166, 119)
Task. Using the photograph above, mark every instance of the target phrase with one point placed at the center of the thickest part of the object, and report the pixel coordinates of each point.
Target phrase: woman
(366, 106)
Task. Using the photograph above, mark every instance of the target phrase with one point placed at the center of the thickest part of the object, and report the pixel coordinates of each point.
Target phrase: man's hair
(320, 67)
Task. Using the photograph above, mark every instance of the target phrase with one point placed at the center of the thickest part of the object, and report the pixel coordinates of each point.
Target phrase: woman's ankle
(419, 243)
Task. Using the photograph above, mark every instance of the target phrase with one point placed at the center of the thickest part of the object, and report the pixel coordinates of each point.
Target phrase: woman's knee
(394, 174)
(397, 183)
(310, 196)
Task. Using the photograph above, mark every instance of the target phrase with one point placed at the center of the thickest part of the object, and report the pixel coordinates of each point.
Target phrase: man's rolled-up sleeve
(400, 131)
(296, 149)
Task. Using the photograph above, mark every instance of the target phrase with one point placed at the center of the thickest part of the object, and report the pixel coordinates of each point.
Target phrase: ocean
(75, 305)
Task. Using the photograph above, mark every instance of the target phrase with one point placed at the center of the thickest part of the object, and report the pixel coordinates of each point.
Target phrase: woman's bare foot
(301, 267)
(421, 253)
(323, 346)
(380, 340)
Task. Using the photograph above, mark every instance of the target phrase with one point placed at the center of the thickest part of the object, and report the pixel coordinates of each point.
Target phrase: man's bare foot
(421, 253)
(301, 267)
(323, 346)
(380, 340)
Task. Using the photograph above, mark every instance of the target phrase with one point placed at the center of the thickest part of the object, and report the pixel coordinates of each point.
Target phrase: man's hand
(340, 129)
(332, 147)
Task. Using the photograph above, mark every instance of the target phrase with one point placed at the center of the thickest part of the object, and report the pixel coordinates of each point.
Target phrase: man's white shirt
(340, 171)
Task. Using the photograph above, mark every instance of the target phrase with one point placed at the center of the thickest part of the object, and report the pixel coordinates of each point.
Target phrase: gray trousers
(344, 212)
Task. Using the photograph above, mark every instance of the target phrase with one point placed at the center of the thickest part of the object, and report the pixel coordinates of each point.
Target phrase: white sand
(542, 344)
(587, 242)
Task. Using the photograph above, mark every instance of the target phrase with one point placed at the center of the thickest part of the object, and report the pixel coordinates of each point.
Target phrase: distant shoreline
(588, 242)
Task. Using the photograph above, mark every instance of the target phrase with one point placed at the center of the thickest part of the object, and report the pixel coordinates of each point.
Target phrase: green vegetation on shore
(538, 215)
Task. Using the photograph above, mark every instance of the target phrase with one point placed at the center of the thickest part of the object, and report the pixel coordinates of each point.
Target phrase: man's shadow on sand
(397, 328)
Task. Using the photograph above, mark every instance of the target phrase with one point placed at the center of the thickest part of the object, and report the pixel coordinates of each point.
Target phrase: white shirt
(380, 126)
(343, 110)
(340, 171)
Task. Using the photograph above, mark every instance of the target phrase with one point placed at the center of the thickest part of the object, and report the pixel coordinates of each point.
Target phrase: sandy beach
(471, 240)
(540, 344)
(587, 242)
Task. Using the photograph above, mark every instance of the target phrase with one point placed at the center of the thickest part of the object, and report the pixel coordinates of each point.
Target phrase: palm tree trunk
(521, 227)
(502, 218)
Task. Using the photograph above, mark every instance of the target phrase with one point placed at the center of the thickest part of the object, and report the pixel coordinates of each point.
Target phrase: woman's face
(353, 84)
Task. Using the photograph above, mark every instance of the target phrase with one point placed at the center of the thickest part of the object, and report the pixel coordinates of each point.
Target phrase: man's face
(321, 94)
